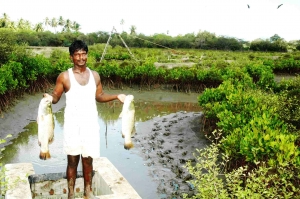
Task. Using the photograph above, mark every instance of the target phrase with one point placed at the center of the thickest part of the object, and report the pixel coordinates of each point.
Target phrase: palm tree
(27, 24)
(68, 26)
(122, 23)
(76, 26)
(4, 21)
(21, 24)
(54, 23)
(46, 22)
(39, 27)
(61, 21)
(132, 30)
(11, 25)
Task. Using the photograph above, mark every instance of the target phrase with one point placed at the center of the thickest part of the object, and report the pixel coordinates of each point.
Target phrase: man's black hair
(77, 45)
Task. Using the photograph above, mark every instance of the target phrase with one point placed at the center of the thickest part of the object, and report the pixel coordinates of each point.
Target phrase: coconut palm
(132, 30)
(21, 24)
(61, 22)
(46, 22)
(27, 24)
(54, 23)
(68, 26)
(4, 21)
(76, 26)
(122, 23)
(12, 25)
(39, 27)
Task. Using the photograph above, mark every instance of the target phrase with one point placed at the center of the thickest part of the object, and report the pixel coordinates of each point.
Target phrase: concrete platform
(108, 183)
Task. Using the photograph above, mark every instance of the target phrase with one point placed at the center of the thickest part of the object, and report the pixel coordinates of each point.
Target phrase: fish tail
(128, 145)
(45, 156)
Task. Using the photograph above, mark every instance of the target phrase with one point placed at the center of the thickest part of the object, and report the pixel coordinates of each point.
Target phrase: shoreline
(24, 109)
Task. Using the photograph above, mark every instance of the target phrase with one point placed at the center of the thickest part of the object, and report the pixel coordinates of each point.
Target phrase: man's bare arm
(58, 89)
(103, 97)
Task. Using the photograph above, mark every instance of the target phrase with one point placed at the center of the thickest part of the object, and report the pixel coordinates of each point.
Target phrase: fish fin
(45, 156)
(133, 131)
(123, 135)
(128, 145)
(51, 140)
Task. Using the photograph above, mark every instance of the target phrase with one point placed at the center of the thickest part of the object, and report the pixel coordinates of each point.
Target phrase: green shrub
(262, 75)
(211, 179)
(251, 124)
(7, 44)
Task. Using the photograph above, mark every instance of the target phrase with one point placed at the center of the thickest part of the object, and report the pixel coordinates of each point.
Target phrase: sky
(230, 18)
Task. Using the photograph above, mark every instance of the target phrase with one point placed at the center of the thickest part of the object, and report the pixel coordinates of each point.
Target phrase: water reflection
(109, 112)
(25, 147)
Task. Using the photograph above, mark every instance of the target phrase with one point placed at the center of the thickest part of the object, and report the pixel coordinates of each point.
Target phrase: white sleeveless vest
(81, 127)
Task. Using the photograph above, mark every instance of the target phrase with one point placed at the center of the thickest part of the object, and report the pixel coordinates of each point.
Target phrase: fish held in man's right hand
(128, 121)
(45, 122)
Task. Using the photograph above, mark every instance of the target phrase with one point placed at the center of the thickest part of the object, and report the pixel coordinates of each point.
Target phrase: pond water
(25, 147)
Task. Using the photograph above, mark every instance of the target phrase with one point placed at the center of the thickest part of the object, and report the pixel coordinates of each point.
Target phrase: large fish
(45, 122)
(128, 121)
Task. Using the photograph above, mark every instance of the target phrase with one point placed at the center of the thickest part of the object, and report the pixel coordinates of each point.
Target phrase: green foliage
(252, 124)
(289, 94)
(107, 70)
(146, 73)
(60, 61)
(7, 44)
(212, 180)
(288, 65)
(265, 45)
(11, 77)
(262, 75)
(33, 66)
(207, 174)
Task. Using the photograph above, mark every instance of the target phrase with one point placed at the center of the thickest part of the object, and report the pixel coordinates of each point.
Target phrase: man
(81, 129)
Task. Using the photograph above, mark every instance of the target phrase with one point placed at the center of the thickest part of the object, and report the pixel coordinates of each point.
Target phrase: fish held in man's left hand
(45, 122)
(128, 121)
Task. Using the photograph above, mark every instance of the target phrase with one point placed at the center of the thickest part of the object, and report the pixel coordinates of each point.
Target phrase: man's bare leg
(71, 174)
(87, 167)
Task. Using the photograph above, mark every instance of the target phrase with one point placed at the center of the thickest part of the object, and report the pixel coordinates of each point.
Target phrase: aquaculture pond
(132, 164)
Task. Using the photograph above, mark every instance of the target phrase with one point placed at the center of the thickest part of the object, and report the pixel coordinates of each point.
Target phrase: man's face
(79, 58)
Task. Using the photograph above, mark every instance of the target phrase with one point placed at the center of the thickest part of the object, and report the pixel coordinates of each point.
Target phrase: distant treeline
(202, 40)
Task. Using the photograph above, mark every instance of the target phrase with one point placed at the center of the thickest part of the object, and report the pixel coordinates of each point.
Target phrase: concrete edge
(17, 174)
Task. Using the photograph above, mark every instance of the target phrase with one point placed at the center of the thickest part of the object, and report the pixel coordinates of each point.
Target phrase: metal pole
(125, 44)
(104, 52)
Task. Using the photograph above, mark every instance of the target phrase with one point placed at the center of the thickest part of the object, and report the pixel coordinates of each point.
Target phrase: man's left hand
(121, 97)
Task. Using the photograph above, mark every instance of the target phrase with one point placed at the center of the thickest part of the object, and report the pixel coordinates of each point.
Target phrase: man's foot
(71, 196)
(90, 195)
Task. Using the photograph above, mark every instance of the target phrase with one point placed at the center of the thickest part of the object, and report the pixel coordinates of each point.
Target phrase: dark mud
(166, 144)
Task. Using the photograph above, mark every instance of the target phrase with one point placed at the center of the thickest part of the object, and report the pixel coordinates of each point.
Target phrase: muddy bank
(166, 144)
